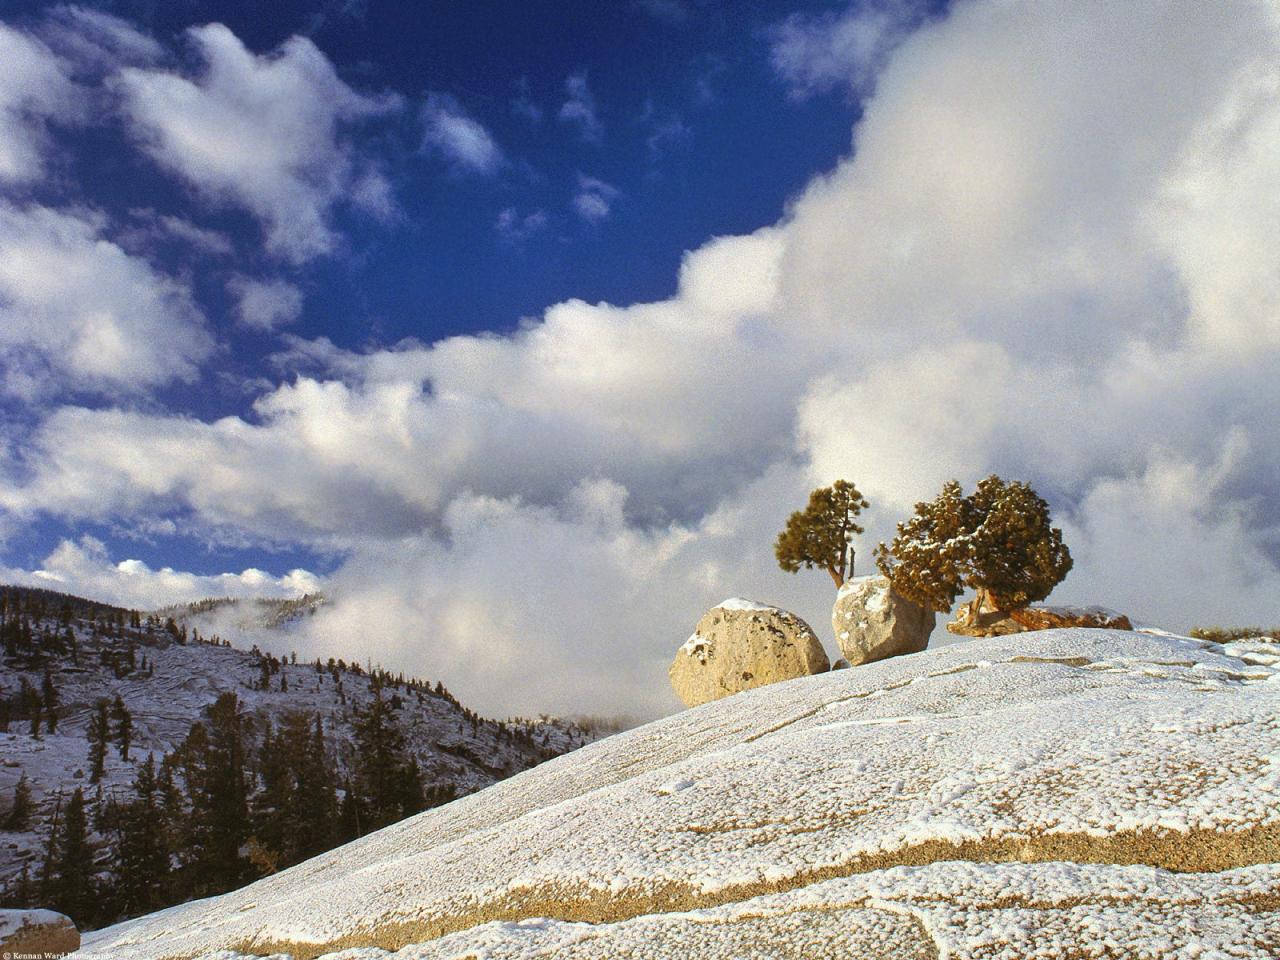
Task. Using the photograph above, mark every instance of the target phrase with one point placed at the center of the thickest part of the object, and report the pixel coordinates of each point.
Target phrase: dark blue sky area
(698, 137)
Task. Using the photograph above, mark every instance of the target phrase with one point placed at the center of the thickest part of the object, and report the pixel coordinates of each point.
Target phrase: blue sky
(692, 134)
(519, 329)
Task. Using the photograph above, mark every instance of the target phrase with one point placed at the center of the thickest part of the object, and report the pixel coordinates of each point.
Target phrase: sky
(519, 328)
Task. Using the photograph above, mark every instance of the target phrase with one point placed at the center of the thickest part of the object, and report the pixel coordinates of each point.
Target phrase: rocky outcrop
(739, 645)
(1000, 623)
(1049, 618)
(873, 621)
(37, 933)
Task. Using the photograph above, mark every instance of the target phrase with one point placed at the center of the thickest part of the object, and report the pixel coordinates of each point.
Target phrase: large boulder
(741, 644)
(37, 933)
(873, 621)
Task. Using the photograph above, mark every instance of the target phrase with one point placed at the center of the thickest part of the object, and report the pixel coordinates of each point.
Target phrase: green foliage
(99, 734)
(19, 815)
(141, 860)
(821, 535)
(68, 884)
(997, 541)
(926, 561)
(123, 726)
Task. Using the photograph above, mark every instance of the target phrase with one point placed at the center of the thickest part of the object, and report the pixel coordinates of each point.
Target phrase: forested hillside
(143, 764)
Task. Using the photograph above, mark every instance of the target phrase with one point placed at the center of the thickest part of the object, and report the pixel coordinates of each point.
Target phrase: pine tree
(1016, 556)
(997, 542)
(69, 886)
(37, 715)
(380, 762)
(821, 535)
(925, 562)
(99, 734)
(19, 816)
(141, 854)
(123, 726)
(49, 694)
(24, 892)
(219, 795)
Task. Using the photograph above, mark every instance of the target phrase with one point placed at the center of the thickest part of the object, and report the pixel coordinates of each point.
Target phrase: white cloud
(1029, 267)
(35, 89)
(594, 199)
(458, 137)
(96, 41)
(77, 308)
(265, 133)
(817, 53)
(84, 568)
(265, 304)
(579, 108)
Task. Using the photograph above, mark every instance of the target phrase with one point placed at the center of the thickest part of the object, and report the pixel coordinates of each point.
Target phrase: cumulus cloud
(265, 304)
(76, 310)
(265, 133)
(1047, 256)
(36, 89)
(579, 108)
(84, 567)
(458, 137)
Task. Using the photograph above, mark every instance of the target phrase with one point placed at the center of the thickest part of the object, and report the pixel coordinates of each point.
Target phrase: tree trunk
(835, 575)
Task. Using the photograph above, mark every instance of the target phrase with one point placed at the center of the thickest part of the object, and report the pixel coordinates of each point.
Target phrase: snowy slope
(1059, 794)
(450, 748)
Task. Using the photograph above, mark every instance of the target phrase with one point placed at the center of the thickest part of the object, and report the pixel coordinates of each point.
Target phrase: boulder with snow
(741, 644)
(37, 933)
(873, 621)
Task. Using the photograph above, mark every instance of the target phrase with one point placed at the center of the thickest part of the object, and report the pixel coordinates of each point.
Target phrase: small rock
(740, 645)
(872, 621)
(39, 933)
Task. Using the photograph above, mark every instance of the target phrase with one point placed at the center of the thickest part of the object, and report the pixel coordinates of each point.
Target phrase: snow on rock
(872, 621)
(741, 603)
(1058, 794)
(740, 645)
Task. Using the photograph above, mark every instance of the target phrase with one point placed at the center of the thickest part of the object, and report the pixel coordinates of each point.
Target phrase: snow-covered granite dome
(1063, 793)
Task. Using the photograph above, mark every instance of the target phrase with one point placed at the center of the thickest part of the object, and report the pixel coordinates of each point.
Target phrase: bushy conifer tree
(821, 535)
(998, 542)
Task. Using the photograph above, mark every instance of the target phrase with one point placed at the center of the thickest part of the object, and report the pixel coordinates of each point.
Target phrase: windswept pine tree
(821, 535)
(998, 542)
